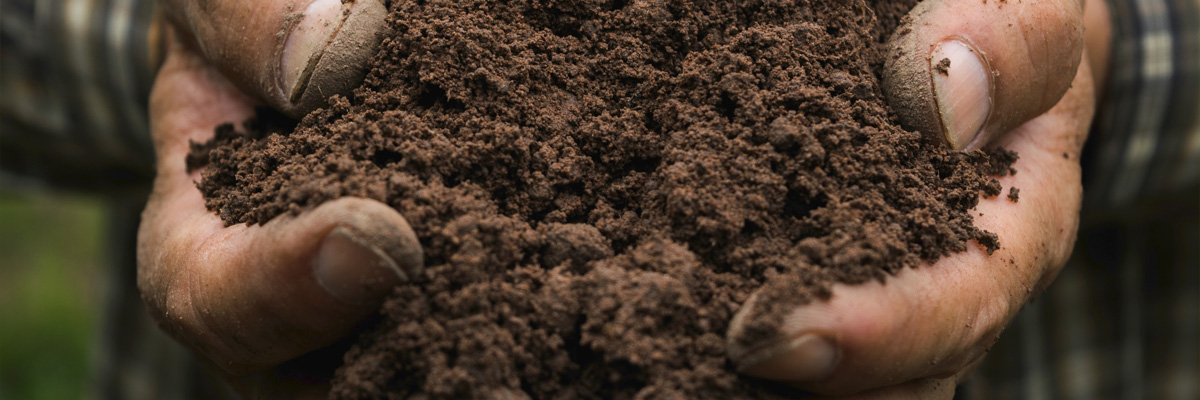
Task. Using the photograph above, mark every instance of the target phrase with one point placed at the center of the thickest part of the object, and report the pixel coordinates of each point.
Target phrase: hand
(1014, 79)
(250, 299)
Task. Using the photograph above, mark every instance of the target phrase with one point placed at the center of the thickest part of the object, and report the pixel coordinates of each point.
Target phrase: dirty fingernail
(326, 52)
(962, 86)
(354, 271)
(803, 358)
(305, 44)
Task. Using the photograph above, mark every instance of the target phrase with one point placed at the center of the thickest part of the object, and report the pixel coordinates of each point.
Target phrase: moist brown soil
(600, 184)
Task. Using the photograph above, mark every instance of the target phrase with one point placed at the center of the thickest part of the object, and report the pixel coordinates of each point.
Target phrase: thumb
(290, 54)
(249, 298)
(969, 71)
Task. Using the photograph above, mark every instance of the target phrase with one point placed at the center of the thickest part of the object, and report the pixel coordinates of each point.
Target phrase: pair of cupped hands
(249, 299)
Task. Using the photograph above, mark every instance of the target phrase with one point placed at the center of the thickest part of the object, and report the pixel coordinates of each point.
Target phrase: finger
(290, 54)
(969, 71)
(933, 321)
(250, 297)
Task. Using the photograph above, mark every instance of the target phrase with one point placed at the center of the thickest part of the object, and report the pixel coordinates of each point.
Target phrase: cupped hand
(251, 298)
(971, 74)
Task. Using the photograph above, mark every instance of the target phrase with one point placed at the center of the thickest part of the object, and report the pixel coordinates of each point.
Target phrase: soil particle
(943, 67)
(599, 185)
(1014, 194)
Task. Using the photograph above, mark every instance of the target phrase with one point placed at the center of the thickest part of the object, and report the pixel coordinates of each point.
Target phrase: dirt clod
(943, 67)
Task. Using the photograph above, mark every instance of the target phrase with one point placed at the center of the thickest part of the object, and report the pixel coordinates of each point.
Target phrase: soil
(943, 67)
(600, 184)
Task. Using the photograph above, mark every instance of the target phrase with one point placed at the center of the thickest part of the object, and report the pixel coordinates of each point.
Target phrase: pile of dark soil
(599, 184)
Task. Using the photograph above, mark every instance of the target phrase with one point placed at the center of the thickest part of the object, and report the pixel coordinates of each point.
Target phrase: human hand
(251, 300)
(1015, 79)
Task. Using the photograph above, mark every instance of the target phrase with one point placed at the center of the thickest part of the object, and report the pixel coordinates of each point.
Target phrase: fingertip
(377, 226)
(807, 357)
(354, 251)
(781, 341)
(291, 55)
(353, 270)
(326, 53)
(1028, 53)
(917, 325)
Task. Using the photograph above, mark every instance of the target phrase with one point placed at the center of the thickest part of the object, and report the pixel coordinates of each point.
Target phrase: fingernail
(962, 85)
(806, 357)
(306, 43)
(354, 271)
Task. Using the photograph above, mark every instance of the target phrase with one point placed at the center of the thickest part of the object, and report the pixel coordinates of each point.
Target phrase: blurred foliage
(51, 258)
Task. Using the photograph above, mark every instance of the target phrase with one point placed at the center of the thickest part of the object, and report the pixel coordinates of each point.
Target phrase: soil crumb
(600, 184)
(943, 67)
(1014, 194)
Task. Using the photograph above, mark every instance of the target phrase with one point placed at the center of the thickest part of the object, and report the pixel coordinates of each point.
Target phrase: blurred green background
(51, 284)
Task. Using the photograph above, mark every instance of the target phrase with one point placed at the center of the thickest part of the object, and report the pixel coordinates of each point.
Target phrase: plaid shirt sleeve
(1122, 321)
(75, 77)
(1146, 139)
(74, 82)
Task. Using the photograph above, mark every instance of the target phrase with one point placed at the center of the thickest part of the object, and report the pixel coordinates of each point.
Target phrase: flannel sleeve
(75, 76)
(1146, 136)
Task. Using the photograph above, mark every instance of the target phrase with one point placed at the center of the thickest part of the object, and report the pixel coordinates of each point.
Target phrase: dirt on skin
(600, 184)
